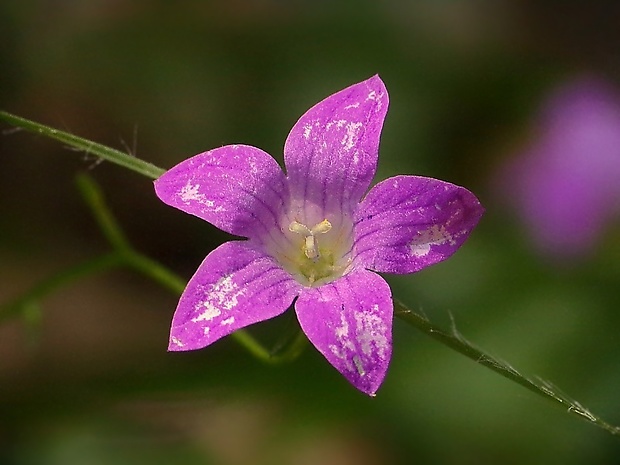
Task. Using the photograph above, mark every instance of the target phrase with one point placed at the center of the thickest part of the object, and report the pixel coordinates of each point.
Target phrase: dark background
(88, 379)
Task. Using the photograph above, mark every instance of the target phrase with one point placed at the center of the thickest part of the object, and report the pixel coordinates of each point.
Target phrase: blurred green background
(89, 381)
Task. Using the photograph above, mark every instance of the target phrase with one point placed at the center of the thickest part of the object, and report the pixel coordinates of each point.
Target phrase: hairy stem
(92, 148)
(456, 341)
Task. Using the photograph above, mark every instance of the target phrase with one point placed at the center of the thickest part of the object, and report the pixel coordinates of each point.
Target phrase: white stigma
(311, 245)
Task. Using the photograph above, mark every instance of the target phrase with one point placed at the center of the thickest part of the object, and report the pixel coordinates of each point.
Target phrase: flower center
(315, 254)
(311, 245)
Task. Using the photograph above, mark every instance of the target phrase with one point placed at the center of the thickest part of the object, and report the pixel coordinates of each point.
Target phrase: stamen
(311, 245)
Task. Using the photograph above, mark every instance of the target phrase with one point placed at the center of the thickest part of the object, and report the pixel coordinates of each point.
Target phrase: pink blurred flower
(565, 184)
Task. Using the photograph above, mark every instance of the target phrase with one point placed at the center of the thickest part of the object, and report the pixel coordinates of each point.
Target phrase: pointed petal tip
(370, 391)
(331, 152)
(375, 80)
(406, 223)
(368, 385)
(176, 345)
(237, 188)
(235, 286)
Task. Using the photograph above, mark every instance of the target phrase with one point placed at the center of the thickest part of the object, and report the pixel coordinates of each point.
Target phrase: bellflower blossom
(565, 183)
(313, 237)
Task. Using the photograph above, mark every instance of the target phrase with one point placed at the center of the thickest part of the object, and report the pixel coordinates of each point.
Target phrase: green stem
(456, 341)
(162, 275)
(154, 270)
(173, 282)
(92, 148)
(47, 286)
(291, 344)
(93, 196)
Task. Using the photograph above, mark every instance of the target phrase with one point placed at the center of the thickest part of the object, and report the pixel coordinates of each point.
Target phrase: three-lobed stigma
(311, 245)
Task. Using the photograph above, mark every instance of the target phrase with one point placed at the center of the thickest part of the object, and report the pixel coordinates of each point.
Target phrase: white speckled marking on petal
(342, 331)
(370, 331)
(407, 223)
(208, 314)
(191, 192)
(350, 138)
(238, 188)
(235, 286)
(331, 152)
(350, 322)
(435, 235)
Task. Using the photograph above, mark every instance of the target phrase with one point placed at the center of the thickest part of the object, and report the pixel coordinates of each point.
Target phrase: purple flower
(311, 236)
(566, 183)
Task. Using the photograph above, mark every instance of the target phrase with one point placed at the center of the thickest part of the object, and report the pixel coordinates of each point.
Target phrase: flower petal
(331, 153)
(237, 188)
(234, 287)
(350, 322)
(407, 223)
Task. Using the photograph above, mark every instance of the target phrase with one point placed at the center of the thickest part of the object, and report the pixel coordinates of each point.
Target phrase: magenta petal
(350, 322)
(331, 153)
(234, 287)
(407, 223)
(237, 188)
